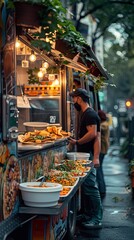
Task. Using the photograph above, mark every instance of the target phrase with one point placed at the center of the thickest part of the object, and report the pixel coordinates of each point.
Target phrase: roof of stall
(70, 58)
(90, 64)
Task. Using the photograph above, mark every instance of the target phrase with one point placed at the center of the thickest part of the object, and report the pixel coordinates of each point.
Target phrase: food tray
(80, 176)
(84, 175)
(88, 169)
(84, 162)
(67, 194)
(77, 180)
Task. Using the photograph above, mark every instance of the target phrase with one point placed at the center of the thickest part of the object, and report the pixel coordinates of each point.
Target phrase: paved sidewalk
(118, 218)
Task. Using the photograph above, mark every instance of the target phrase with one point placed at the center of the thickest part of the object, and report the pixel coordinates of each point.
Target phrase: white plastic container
(78, 156)
(35, 196)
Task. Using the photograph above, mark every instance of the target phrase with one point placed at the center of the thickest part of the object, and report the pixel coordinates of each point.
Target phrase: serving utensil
(42, 181)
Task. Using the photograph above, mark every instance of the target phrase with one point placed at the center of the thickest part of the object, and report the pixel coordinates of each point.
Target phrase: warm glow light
(128, 103)
(17, 44)
(40, 74)
(32, 57)
(56, 82)
(45, 65)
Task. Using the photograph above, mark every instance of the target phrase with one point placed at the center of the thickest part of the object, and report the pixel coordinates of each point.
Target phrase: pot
(27, 15)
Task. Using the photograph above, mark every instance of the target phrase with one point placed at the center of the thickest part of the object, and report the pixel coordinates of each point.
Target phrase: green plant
(53, 25)
(99, 82)
(32, 76)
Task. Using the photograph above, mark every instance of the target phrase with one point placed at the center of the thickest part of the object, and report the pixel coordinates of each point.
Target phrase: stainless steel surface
(26, 147)
(9, 114)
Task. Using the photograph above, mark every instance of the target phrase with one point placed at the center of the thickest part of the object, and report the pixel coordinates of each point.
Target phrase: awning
(69, 58)
(26, 39)
(91, 65)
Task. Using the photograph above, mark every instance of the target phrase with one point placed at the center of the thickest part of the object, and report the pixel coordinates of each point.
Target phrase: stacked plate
(77, 155)
(31, 126)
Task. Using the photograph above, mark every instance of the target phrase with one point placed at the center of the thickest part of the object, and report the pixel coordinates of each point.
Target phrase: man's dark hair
(85, 99)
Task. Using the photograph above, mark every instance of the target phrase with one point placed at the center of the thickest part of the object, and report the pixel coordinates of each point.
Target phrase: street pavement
(118, 205)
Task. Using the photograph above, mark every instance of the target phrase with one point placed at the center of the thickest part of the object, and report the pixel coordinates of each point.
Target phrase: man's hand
(72, 141)
(96, 162)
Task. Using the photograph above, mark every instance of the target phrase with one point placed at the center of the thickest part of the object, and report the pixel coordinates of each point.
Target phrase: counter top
(27, 149)
(25, 146)
(32, 147)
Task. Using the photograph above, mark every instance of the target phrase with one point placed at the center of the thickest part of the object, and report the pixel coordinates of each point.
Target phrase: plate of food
(48, 135)
(35, 138)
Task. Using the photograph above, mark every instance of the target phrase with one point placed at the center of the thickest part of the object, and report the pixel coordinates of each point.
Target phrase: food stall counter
(56, 209)
(26, 149)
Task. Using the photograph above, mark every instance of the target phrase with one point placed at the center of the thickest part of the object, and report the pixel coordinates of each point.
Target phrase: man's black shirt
(89, 117)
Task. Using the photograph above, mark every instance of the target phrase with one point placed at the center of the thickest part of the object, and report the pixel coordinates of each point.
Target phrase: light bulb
(32, 57)
(45, 65)
(17, 44)
(40, 74)
(56, 82)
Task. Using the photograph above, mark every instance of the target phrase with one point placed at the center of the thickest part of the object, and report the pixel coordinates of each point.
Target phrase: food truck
(37, 117)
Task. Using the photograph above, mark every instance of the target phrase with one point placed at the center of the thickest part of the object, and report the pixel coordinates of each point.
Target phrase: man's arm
(97, 148)
(90, 135)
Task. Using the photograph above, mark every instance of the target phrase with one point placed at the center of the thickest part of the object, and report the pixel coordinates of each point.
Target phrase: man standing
(88, 141)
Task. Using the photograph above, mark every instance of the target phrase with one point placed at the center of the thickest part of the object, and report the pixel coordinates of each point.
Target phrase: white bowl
(35, 196)
(31, 126)
(78, 156)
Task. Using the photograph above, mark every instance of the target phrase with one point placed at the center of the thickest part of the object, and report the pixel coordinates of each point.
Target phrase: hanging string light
(32, 57)
(45, 65)
(17, 44)
(40, 74)
(25, 63)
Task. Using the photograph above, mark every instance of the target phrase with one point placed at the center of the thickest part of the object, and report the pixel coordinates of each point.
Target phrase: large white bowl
(31, 126)
(78, 156)
(35, 196)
